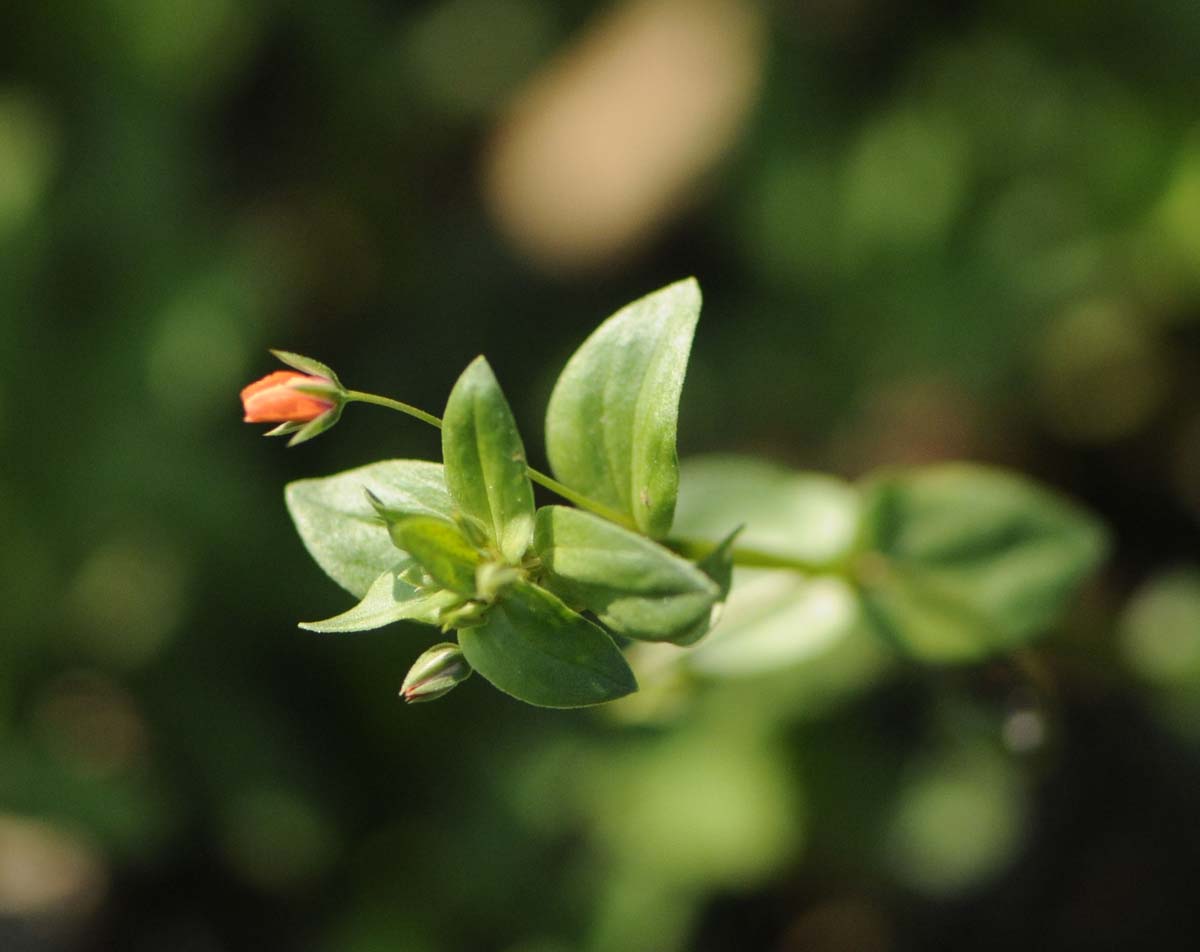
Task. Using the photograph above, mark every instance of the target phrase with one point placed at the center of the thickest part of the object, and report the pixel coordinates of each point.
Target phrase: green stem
(359, 397)
(696, 549)
(582, 501)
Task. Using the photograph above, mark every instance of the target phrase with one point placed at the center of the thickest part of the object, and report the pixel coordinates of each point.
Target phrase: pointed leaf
(633, 584)
(440, 548)
(611, 423)
(340, 528)
(485, 460)
(389, 599)
(539, 651)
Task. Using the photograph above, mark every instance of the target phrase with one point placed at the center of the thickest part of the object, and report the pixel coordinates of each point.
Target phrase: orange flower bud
(273, 400)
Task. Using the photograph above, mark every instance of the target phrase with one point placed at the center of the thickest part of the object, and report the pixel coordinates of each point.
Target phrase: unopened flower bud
(274, 399)
(438, 671)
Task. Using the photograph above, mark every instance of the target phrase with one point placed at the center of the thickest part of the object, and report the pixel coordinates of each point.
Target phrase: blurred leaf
(957, 821)
(485, 460)
(536, 649)
(611, 423)
(635, 586)
(440, 548)
(389, 599)
(773, 620)
(340, 528)
(786, 512)
(1160, 628)
(972, 559)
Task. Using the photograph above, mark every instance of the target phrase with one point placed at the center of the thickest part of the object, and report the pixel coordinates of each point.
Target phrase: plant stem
(690, 548)
(696, 549)
(583, 502)
(360, 397)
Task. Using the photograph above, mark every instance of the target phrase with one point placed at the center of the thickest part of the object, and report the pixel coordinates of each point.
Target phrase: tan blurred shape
(604, 144)
(47, 872)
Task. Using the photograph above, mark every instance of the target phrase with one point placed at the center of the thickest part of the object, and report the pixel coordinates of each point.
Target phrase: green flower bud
(438, 671)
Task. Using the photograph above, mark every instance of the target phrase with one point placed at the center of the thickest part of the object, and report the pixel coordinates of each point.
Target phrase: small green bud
(438, 671)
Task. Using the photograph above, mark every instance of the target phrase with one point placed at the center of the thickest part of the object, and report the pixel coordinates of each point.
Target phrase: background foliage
(948, 230)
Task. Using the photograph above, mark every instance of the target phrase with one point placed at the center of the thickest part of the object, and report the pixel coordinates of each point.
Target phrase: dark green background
(941, 230)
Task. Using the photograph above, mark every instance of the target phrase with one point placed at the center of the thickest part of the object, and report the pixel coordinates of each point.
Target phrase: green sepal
(284, 429)
(441, 549)
(612, 418)
(306, 365)
(635, 586)
(391, 598)
(485, 460)
(314, 428)
(322, 391)
(534, 648)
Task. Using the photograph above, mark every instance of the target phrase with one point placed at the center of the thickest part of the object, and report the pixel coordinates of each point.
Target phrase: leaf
(539, 651)
(773, 620)
(339, 527)
(970, 559)
(633, 584)
(611, 422)
(440, 548)
(389, 599)
(786, 513)
(485, 460)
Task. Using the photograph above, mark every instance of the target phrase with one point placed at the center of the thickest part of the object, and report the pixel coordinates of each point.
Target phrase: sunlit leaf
(341, 529)
(633, 584)
(389, 599)
(536, 649)
(440, 548)
(611, 423)
(485, 460)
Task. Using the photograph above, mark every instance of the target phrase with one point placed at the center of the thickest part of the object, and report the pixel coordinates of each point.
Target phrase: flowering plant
(949, 562)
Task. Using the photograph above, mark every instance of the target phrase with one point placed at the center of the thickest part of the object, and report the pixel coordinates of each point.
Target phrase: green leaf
(787, 513)
(389, 599)
(339, 527)
(539, 651)
(610, 426)
(634, 585)
(969, 560)
(440, 548)
(485, 460)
